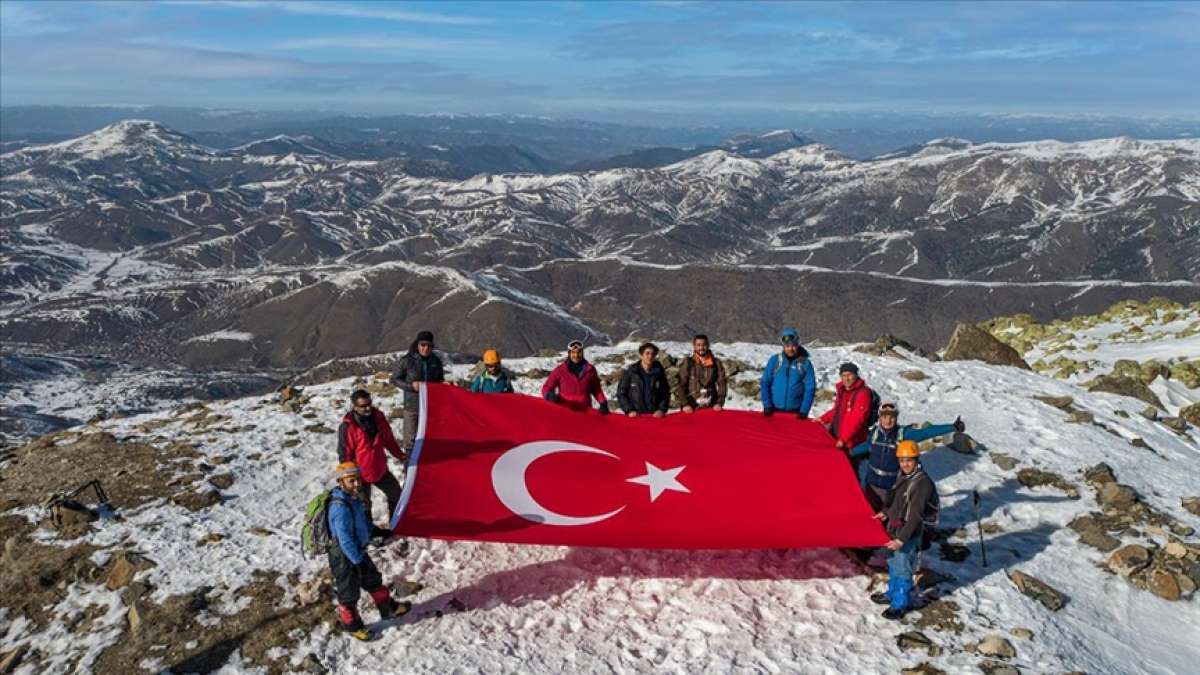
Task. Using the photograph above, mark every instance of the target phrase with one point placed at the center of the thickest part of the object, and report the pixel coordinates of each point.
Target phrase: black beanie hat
(848, 368)
(425, 336)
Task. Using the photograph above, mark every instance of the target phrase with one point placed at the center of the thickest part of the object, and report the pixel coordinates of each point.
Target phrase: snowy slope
(558, 609)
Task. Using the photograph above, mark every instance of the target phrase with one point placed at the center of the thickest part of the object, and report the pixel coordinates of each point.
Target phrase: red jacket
(855, 407)
(367, 451)
(575, 391)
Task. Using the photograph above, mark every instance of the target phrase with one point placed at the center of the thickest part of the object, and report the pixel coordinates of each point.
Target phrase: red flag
(514, 468)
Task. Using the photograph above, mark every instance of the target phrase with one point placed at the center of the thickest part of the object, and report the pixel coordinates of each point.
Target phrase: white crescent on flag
(508, 480)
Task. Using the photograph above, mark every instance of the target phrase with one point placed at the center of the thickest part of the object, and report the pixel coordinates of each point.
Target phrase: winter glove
(959, 425)
(767, 412)
(604, 408)
(552, 396)
(801, 415)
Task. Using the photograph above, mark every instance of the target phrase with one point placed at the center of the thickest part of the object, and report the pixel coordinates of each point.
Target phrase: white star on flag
(659, 480)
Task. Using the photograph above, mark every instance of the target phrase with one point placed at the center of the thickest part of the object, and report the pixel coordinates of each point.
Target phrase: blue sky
(694, 59)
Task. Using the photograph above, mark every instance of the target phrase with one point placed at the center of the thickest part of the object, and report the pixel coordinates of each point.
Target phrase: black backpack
(873, 413)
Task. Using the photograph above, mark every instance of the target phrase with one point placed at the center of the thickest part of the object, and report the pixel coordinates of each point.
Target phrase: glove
(552, 396)
(604, 408)
(767, 412)
(801, 415)
(959, 425)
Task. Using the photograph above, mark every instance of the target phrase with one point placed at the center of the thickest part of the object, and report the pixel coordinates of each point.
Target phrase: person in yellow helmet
(910, 506)
(493, 379)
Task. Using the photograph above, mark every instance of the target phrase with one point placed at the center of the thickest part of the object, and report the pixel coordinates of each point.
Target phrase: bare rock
(1124, 386)
(972, 342)
(210, 539)
(997, 646)
(1005, 462)
(313, 591)
(1163, 584)
(1116, 495)
(1031, 478)
(914, 375)
(124, 567)
(222, 481)
(1191, 505)
(290, 443)
(1060, 402)
(11, 659)
(287, 393)
(260, 531)
(197, 501)
(1081, 417)
(1022, 633)
(134, 617)
(1191, 414)
(1150, 413)
(1129, 559)
(318, 428)
(1099, 474)
(1039, 590)
(1175, 423)
(917, 640)
(1093, 533)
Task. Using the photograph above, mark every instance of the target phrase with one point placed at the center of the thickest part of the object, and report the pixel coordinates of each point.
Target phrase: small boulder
(1031, 478)
(1175, 424)
(1081, 417)
(1039, 590)
(1022, 633)
(11, 659)
(1099, 474)
(1005, 462)
(210, 539)
(914, 375)
(1092, 533)
(1191, 505)
(1150, 413)
(124, 567)
(1116, 495)
(1163, 584)
(998, 668)
(923, 669)
(1129, 559)
(997, 646)
(134, 617)
(1175, 549)
(972, 342)
(1060, 402)
(1124, 386)
(914, 639)
(197, 501)
(222, 481)
(1191, 414)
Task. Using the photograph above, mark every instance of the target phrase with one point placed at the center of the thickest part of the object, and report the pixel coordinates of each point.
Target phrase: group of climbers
(884, 454)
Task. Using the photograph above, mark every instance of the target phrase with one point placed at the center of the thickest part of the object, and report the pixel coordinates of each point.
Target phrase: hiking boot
(362, 634)
(392, 609)
(893, 613)
(881, 599)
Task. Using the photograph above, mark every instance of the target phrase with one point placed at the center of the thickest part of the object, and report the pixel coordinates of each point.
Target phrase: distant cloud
(22, 19)
(370, 10)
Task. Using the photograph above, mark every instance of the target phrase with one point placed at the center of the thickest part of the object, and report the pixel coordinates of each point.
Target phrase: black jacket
(413, 368)
(904, 506)
(645, 392)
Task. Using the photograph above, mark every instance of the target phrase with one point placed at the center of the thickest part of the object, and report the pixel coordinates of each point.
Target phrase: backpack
(314, 535)
(933, 509)
(873, 413)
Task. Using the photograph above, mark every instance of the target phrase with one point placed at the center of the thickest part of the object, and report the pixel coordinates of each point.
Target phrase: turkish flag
(515, 468)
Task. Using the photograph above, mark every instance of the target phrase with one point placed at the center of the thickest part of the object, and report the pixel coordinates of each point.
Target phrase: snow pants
(902, 565)
(390, 488)
(350, 580)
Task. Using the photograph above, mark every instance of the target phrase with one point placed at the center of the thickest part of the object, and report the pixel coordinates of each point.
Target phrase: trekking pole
(979, 523)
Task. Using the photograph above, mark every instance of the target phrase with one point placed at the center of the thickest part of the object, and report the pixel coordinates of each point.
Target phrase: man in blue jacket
(788, 382)
(878, 468)
(349, 532)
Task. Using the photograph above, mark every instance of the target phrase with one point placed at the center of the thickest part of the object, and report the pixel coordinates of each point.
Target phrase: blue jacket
(882, 465)
(484, 383)
(348, 524)
(789, 385)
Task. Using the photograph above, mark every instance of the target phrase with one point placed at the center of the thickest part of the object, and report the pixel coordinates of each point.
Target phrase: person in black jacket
(644, 388)
(419, 365)
(904, 514)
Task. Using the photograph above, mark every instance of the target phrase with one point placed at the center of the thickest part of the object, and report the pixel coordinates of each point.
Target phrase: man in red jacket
(847, 419)
(362, 438)
(575, 382)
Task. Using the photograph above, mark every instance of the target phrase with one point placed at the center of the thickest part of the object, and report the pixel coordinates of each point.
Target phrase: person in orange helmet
(910, 506)
(493, 379)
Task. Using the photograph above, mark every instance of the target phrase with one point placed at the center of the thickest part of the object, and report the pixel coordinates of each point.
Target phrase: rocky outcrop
(970, 342)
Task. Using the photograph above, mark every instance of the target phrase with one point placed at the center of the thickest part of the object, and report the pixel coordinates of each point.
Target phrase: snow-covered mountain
(136, 239)
(1082, 490)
